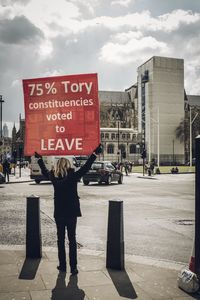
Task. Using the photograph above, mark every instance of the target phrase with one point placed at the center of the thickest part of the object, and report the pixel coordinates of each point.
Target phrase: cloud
(12, 2)
(18, 31)
(121, 2)
(131, 50)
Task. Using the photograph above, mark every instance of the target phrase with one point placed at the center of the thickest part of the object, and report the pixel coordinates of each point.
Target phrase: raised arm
(42, 166)
(85, 168)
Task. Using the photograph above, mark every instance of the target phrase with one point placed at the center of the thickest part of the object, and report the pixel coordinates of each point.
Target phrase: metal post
(33, 229)
(191, 122)
(1, 115)
(197, 206)
(115, 236)
(158, 120)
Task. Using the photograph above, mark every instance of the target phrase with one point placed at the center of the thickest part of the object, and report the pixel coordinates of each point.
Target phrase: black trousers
(6, 174)
(70, 225)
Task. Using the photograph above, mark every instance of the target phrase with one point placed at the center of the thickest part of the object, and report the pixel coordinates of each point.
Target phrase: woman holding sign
(66, 204)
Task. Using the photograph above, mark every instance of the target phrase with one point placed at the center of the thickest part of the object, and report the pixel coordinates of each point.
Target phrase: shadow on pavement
(122, 284)
(71, 291)
(29, 268)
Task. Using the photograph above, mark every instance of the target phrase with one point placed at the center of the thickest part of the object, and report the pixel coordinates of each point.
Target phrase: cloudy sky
(112, 38)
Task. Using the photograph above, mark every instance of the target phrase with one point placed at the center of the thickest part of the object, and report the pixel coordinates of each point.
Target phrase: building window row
(114, 136)
(111, 148)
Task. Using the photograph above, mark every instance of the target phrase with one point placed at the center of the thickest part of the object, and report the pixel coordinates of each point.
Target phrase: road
(158, 214)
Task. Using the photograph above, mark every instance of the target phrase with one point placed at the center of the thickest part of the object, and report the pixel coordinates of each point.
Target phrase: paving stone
(153, 272)
(48, 267)
(91, 263)
(93, 278)
(7, 257)
(187, 297)
(15, 296)
(8, 270)
(111, 293)
(41, 295)
(13, 284)
(162, 288)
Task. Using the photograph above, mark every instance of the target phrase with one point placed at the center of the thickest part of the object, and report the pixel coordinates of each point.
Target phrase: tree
(181, 131)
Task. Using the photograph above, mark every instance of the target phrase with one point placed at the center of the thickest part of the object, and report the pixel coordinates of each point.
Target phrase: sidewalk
(25, 176)
(143, 279)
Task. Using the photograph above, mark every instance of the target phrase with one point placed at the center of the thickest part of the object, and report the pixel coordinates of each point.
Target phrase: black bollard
(115, 236)
(197, 206)
(33, 229)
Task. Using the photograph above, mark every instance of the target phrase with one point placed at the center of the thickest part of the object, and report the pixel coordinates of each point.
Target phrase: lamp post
(1, 141)
(157, 122)
(191, 122)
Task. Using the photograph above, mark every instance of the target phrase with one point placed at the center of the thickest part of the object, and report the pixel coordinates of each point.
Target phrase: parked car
(2, 178)
(103, 171)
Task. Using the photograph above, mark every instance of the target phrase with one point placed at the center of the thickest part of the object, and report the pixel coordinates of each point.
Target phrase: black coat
(66, 199)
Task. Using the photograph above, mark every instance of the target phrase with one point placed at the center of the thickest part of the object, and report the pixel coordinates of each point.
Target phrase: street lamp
(191, 122)
(1, 141)
(1, 101)
(157, 122)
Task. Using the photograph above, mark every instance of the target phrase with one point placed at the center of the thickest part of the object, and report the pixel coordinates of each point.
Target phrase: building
(18, 138)
(5, 132)
(119, 135)
(161, 108)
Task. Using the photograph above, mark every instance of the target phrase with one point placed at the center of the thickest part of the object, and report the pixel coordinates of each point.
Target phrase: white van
(50, 161)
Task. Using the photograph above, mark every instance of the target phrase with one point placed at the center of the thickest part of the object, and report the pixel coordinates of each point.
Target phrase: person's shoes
(74, 271)
(61, 268)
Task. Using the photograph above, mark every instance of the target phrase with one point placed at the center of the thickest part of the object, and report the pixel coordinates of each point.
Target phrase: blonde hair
(62, 167)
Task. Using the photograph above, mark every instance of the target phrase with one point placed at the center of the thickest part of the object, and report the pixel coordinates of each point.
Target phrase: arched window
(110, 149)
(132, 148)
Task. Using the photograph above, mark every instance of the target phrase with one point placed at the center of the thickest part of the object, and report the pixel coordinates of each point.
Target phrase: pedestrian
(66, 204)
(6, 169)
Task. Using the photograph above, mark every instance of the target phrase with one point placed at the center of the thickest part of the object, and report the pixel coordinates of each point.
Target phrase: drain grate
(184, 222)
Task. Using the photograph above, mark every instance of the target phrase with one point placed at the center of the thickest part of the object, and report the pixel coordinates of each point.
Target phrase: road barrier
(33, 228)
(115, 236)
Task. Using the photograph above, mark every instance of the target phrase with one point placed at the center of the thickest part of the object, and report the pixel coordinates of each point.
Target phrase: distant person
(6, 169)
(66, 204)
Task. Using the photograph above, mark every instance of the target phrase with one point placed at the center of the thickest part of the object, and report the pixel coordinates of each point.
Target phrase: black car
(103, 171)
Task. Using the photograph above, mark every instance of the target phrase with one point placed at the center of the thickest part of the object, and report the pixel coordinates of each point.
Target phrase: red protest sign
(62, 115)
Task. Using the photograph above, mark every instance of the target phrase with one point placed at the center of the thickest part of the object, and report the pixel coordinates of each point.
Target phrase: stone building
(161, 107)
(18, 137)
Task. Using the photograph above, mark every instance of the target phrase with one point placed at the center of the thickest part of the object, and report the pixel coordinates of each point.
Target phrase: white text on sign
(47, 88)
(62, 144)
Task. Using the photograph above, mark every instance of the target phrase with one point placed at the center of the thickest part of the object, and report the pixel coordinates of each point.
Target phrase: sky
(41, 38)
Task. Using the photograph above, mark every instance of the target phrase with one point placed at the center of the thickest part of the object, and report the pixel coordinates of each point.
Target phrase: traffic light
(144, 154)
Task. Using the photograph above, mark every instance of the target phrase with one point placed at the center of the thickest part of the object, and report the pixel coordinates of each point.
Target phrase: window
(123, 136)
(107, 135)
(112, 136)
(110, 149)
(132, 148)
(102, 135)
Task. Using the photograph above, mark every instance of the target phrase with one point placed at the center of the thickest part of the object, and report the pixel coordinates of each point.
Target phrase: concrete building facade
(161, 108)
